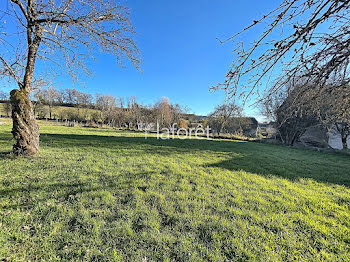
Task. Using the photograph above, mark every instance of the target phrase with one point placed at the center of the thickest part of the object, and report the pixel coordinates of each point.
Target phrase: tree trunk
(25, 130)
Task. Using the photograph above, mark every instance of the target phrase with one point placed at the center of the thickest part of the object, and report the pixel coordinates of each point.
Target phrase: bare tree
(84, 99)
(220, 118)
(120, 102)
(61, 97)
(64, 33)
(47, 96)
(164, 112)
(177, 112)
(308, 39)
(136, 110)
(119, 116)
(8, 109)
(308, 104)
(270, 105)
(7, 106)
(70, 96)
(3, 95)
(106, 104)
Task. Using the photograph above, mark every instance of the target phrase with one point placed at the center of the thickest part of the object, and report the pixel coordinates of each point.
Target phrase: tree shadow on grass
(258, 158)
(66, 190)
(5, 139)
(156, 145)
(293, 171)
(5, 154)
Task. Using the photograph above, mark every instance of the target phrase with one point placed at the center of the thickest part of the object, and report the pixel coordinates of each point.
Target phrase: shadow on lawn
(5, 154)
(66, 191)
(5, 138)
(262, 159)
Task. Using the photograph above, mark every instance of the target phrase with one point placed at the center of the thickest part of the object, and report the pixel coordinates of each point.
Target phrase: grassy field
(102, 195)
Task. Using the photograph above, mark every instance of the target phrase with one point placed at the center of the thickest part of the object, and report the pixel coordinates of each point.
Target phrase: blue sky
(181, 56)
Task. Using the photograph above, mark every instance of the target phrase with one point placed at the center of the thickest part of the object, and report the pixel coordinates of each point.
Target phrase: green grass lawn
(104, 195)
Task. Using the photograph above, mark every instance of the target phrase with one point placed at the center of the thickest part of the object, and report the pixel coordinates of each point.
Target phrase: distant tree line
(4, 98)
(73, 105)
(228, 118)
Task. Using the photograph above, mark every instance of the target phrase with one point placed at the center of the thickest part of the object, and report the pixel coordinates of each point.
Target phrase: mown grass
(102, 195)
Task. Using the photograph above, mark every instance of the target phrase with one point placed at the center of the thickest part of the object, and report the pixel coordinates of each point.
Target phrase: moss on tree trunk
(25, 129)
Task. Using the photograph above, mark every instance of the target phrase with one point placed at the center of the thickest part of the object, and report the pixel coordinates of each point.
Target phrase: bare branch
(10, 70)
(303, 50)
(69, 33)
